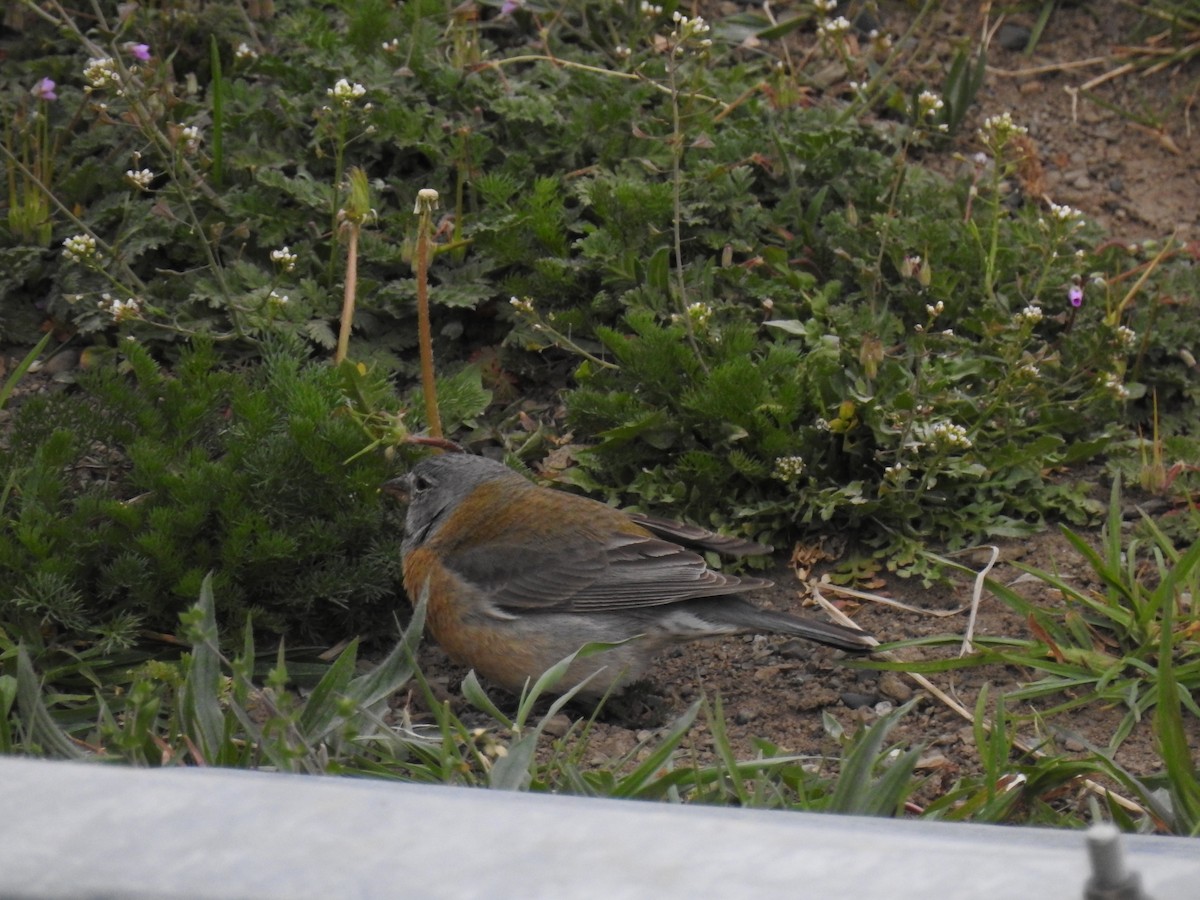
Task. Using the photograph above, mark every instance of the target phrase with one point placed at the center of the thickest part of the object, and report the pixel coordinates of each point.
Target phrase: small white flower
(391, 46)
(1030, 315)
(650, 10)
(140, 179)
(700, 313)
(881, 42)
(825, 6)
(245, 52)
(928, 103)
(1028, 370)
(277, 299)
(346, 93)
(101, 73)
(999, 128)
(120, 310)
(1112, 382)
(80, 249)
(189, 138)
(935, 310)
(834, 27)
(622, 52)
(788, 468)
(895, 472)
(1066, 214)
(284, 258)
(522, 305)
(1126, 337)
(948, 435)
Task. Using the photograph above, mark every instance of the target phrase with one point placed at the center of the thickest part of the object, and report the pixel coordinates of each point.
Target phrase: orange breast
(456, 619)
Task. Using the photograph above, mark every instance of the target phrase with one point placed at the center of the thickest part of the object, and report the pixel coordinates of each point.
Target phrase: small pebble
(892, 686)
(1013, 37)
(796, 649)
(855, 700)
(557, 726)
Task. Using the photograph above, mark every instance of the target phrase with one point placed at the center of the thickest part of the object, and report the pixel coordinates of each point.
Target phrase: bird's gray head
(436, 486)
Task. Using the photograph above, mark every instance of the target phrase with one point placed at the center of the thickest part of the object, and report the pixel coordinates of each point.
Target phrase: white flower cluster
(700, 313)
(1112, 382)
(650, 10)
(277, 299)
(686, 28)
(120, 310)
(245, 52)
(788, 468)
(928, 103)
(522, 305)
(948, 435)
(80, 249)
(189, 138)
(101, 73)
(1030, 315)
(346, 93)
(1126, 337)
(998, 129)
(284, 258)
(935, 309)
(139, 178)
(833, 27)
(1065, 213)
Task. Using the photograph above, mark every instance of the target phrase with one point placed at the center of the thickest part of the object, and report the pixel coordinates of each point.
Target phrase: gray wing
(589, 572)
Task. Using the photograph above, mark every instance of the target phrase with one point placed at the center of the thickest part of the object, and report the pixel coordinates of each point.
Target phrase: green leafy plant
(120, 500)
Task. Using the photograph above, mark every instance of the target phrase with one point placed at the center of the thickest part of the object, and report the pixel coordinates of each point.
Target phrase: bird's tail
(737, 615)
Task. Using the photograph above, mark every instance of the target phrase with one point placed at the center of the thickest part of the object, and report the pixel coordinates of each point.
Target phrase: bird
(519, 576)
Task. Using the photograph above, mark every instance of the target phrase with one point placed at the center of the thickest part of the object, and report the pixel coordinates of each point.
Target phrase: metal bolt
(1110, 879)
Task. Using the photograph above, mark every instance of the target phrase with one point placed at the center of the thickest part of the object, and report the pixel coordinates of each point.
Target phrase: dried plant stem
(348, 297)
(426, 202)
(350, 221)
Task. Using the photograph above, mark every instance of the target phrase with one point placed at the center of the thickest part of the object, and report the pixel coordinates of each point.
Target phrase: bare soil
(1139, 182)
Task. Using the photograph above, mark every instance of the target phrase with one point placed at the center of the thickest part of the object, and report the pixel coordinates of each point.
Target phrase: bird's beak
(399, 488)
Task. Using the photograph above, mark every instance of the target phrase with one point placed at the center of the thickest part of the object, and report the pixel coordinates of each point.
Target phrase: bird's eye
(421, 483)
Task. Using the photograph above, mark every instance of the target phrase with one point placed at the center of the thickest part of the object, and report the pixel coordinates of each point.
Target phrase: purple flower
(510, 6)
(140, 52)
(44, 90)
(1075, 295)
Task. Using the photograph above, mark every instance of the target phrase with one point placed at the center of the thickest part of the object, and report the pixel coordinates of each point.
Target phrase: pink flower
(140, 52)
(1075, 295)
(44, 90)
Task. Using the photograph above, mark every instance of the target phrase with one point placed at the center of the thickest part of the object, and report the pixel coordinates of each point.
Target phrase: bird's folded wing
(590, 573)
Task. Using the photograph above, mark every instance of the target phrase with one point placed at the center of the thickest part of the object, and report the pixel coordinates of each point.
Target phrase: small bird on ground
(519, 576)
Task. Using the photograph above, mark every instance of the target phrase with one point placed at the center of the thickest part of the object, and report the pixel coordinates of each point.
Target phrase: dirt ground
(1139, 183)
